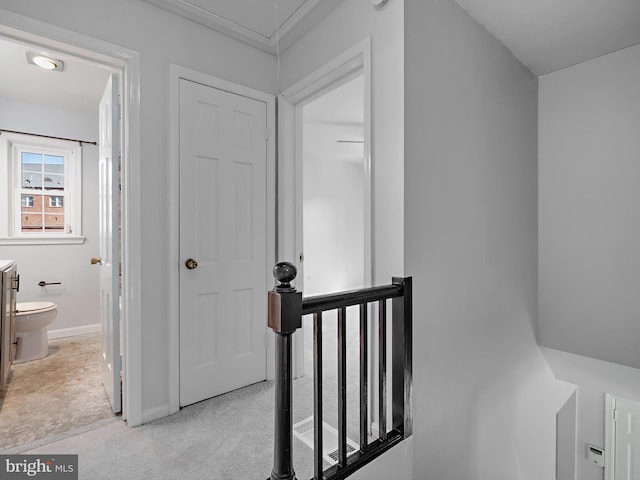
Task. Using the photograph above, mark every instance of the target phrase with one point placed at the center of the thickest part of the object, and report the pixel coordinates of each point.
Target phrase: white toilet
(32, 319)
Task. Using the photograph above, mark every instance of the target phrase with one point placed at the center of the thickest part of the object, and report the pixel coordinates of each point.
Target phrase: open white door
(223, 241)
(109, 191)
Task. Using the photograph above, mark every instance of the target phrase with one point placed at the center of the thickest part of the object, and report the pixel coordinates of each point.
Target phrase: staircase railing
(286, 308)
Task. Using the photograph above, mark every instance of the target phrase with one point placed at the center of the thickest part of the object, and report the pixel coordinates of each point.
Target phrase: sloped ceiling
(548, 35)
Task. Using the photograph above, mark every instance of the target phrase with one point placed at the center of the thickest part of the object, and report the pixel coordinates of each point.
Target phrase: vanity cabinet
(10, 285)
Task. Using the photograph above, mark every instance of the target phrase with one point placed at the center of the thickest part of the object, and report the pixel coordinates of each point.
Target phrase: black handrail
(322, 303)
(286, 307)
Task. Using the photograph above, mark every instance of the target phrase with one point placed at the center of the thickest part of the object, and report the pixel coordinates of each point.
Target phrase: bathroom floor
(55, 394)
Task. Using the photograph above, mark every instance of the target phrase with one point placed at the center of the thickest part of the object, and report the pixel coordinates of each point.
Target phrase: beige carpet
(55, 394)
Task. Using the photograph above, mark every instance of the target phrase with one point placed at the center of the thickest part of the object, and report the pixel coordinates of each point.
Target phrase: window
(42, 189)
(55, 201)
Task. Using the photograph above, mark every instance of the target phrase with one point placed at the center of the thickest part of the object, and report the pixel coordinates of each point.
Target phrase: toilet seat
(31, 322)
(34, 307)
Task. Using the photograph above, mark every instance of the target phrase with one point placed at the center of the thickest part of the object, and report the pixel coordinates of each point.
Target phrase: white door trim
(127, 63)
(176, 73)
(344, 67)
(609, 436)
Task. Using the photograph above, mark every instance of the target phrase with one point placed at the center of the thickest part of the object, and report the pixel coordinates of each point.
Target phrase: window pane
(32, 180)
(32, 221)
(53, 164)
(31, 170)
(31, 159)
(53, 222)
(53, 182)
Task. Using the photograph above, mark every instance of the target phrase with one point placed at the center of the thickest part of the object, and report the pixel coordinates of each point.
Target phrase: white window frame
(11, 147)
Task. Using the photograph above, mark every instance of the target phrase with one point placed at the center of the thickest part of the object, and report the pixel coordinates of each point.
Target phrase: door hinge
(267, 133)
(615, 414)
(266, 339)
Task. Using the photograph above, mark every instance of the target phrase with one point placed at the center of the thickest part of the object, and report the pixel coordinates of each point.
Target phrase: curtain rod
(49, 136)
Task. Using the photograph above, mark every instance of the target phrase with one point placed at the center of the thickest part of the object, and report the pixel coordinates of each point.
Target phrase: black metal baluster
(317, 396)
(382, 369)
(364, 379)
(342, 387)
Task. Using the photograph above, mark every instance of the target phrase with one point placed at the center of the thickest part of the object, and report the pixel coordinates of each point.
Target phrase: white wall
(394, 464)
(595, 378)
(346, 26)
(593, 374)
(590, 431)
(485, 401)
(77, 298)
(333, 209)
(589, 119)
(161, 38)
(566, 430)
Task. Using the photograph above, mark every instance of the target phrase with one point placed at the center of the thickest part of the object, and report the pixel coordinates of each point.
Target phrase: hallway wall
(485, 400)
(589, 119)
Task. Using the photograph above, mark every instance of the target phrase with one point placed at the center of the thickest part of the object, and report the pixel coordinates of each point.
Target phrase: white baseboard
(73, 331)
(155, 413)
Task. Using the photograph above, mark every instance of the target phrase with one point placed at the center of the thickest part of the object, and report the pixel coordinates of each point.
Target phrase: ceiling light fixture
(45, 62)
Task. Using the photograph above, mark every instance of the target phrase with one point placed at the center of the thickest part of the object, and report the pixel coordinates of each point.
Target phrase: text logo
(51, 467)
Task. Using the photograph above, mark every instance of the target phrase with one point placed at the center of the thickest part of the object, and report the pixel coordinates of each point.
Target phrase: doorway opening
(99, 61)
(334, 137)
(333, 190)
(325, 207)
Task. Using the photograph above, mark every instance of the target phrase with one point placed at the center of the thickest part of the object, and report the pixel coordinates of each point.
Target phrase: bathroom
(34, 101)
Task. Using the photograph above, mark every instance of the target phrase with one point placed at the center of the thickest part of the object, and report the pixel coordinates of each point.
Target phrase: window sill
(44, 240)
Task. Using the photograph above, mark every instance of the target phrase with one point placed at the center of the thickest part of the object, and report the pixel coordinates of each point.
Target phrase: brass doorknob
(191, 264)
(95, 260)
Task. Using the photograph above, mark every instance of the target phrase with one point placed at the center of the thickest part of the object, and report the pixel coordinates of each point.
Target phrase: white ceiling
(79, 87)
(261, 23)
(547, 35)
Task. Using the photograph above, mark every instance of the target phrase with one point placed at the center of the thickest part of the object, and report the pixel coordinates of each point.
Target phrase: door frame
(609, 436)
(177, 73)
(344, 67)
(126, 63)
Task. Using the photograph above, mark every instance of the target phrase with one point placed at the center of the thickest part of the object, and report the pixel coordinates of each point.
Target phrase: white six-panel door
(223, 211)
